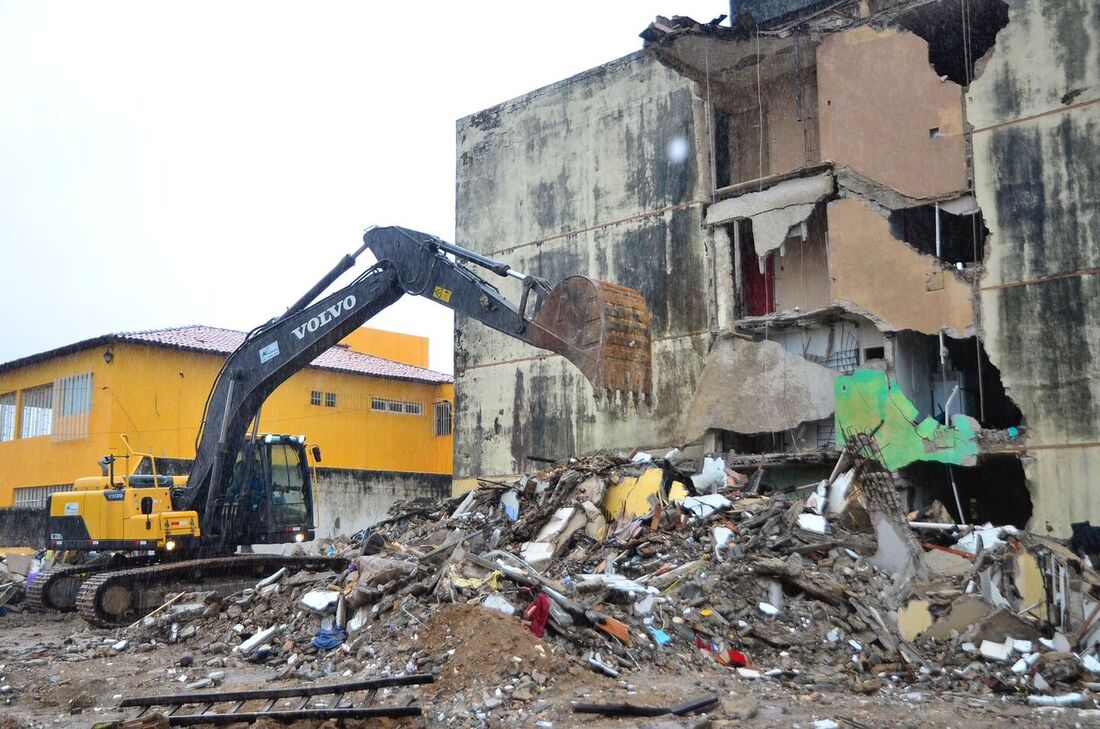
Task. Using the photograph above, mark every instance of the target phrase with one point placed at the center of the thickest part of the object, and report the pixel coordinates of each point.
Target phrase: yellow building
(381, 418)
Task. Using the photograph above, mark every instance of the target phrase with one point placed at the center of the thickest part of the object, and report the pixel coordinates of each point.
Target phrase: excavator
(163, 533)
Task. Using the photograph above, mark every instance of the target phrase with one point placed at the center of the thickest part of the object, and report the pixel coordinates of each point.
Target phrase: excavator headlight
(170, 545)
(299, 537)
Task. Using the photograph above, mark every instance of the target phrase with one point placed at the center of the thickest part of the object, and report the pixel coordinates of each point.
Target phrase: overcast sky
(164, 164)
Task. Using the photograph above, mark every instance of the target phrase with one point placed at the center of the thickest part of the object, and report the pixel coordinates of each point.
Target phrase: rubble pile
(591, 570)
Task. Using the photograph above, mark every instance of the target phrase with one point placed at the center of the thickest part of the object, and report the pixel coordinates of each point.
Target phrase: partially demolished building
(866, 216)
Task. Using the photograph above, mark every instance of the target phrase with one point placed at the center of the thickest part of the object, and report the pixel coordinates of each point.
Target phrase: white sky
(172, 163)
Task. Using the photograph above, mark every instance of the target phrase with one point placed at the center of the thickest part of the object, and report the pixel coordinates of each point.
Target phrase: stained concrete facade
(1035, 112)
(596, 175)
(873, 188)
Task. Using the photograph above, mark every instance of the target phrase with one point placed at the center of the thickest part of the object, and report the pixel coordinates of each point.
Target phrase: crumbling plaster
(757, 387)
(876, 274)
(878, 101)
(581, 177)
(1037, 180)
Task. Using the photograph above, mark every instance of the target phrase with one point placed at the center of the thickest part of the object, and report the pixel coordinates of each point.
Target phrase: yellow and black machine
(153, 533)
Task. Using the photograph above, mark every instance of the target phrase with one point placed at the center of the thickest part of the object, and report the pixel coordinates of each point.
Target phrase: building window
(7, 417)
(382, 405)
(315, 397)
(74, 406)
(330, 399)
(443, 419)
(37, 417)
(34, 497)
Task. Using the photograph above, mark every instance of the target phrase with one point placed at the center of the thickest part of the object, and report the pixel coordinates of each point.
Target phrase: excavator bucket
(603, 329)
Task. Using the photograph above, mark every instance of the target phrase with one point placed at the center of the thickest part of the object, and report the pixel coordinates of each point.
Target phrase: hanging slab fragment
(790, 193)
(757, 387)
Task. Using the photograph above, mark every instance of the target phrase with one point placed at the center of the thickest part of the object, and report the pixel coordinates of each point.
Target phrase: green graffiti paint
(867, 398)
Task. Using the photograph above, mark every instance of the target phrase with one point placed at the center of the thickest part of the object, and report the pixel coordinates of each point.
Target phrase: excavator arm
(600, 327)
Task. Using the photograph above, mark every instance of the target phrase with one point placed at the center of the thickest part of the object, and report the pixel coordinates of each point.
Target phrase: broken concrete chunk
(496, 601)
(768, 609)
(945, 564)
(1003, 623)
(537, 554)
(914, 619)
(994, 651)
(259, 640)
(321, 601)
(813, 523)
(963, 613)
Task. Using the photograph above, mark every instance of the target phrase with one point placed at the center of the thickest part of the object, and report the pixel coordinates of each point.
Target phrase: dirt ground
(53, 685)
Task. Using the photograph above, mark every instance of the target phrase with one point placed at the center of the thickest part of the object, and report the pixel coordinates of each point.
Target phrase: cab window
(288, 498)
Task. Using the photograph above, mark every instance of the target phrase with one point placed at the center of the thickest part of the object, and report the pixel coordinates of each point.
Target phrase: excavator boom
(601, 327)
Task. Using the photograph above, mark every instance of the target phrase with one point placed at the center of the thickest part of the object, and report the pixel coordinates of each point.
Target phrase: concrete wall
(878, 274)
(577, 178)
(878, 101)
(349, 500)
(23, 528)
(1037, 177)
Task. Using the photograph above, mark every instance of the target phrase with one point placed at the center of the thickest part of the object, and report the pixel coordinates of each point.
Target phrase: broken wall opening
(993, 491)
(995, 409)
(958, 33)
(757, 135)
(792, 277)
(961, 237)
(930, 384)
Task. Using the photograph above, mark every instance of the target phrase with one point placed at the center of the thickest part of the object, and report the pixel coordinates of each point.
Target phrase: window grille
(315, 397)
(844, 361)
(383, 405)
(37, 417)
(7, 416)
(34, 497)
(443, 418)
(74, 406)
(330, 399)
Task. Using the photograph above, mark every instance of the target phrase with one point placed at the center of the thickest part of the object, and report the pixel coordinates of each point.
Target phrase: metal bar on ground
(294, 715)
(370, 683)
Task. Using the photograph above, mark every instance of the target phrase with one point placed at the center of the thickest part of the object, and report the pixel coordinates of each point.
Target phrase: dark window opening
(874, 353)
(315, 397)
(330, 399)
(957, 33)
(962, 237)
(995, 490)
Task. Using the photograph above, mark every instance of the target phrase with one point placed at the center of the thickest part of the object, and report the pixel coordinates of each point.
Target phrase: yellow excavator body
(135, 514)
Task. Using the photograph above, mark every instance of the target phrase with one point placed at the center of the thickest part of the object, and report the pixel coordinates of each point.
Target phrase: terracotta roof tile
(224, 341)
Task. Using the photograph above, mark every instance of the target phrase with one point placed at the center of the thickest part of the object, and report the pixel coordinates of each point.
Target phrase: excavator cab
(269, 499)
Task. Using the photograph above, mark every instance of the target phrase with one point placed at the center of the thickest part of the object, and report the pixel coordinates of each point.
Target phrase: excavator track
(56, 588)
(111, 599)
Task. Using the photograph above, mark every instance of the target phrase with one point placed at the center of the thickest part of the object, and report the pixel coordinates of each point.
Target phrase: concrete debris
(653, 580)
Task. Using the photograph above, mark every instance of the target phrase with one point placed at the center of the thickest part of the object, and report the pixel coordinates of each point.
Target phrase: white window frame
(36, 416)
(9, 406)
